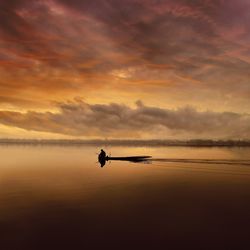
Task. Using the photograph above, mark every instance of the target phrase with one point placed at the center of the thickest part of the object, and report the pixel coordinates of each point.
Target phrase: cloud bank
(113, 120)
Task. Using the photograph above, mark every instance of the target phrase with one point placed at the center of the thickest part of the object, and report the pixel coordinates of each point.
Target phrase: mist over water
(56, 197)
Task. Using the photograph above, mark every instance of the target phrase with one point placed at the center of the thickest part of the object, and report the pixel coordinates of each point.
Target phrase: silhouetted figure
(102, 157)
(102, 154)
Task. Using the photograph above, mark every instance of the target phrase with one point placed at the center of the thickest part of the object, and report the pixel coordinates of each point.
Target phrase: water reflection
(57, 198)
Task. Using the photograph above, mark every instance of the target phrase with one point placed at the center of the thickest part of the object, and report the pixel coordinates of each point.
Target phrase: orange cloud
(81, 119)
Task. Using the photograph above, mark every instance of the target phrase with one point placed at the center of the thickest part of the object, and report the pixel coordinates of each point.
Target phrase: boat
(102, 158)
(128, 158)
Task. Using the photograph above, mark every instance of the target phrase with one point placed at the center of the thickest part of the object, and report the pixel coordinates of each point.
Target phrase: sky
(168, 69)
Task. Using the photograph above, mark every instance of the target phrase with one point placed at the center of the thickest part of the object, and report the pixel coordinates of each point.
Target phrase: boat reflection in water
(103, 159)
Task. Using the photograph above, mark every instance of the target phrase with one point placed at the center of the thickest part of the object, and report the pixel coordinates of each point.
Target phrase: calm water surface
(55, 197)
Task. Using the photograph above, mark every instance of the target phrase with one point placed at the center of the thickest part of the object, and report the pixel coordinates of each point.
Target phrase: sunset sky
(125, 69)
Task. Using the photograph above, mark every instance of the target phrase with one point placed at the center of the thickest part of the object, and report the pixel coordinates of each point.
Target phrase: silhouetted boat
(102, 159)
(128, 158)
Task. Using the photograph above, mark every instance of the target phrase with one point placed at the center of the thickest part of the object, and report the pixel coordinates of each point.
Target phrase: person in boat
(102, 158)
(102, 154)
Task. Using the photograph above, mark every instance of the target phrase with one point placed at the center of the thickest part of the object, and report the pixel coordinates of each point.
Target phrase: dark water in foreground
(186, 198)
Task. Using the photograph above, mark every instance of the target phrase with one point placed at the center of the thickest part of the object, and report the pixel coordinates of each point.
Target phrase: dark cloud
(19, 35)
(150, 32)
(115, 120)
(168, 32)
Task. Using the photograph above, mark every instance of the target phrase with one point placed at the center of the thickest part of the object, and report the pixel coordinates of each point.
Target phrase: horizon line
(129, 142)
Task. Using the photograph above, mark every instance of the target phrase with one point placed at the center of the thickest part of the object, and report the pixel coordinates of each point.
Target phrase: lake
(58, 197)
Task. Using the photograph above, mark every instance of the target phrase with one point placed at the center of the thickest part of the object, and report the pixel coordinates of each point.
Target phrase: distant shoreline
(138, 143)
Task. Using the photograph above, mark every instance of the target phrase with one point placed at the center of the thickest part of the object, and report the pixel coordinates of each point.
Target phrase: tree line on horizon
(128, 142)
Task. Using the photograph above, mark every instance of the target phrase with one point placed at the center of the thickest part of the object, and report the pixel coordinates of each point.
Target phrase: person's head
(102, 150)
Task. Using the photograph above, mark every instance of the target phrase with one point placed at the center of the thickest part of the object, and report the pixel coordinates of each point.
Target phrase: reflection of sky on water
(65, 168)
(47, 190)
